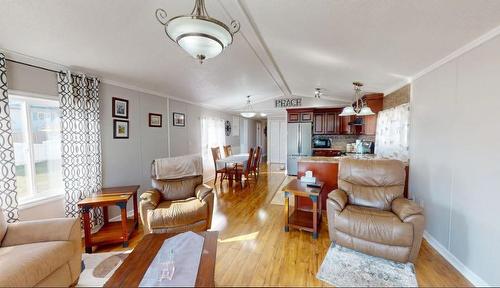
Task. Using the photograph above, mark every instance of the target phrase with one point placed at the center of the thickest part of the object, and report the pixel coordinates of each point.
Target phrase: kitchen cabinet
(326, 122)
(300, 115)
(376, 102)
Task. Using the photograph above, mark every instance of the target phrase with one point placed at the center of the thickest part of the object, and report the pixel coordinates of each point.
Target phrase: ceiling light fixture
(200, 35)
(360, 108)
(249, 113)
(263, 114)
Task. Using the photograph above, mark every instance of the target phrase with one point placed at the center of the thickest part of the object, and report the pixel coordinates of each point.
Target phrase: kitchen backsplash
(339, 142)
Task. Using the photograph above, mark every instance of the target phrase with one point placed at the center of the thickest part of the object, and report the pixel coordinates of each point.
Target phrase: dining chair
(245, 170)
(228, 150)
(216, 156)
(256, 161)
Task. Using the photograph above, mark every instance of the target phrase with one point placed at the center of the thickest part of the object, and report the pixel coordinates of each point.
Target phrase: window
(213, 134)
(392, 132)
(36, 132)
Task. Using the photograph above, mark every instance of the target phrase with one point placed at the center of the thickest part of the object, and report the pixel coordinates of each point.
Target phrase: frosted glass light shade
(348, 111)
(199, 36)
(365, 111)
(247, 114)
(263, 114)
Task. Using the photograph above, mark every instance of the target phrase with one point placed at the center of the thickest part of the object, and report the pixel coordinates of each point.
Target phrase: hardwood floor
(254, 250)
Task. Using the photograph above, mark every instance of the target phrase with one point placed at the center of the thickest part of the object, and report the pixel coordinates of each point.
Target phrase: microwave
(322, 143)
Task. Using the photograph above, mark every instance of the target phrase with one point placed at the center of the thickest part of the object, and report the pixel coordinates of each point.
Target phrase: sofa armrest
(203, 190)
(150, 199)
(205, 194)
(405, 208)
(57, 229)
(338, 199)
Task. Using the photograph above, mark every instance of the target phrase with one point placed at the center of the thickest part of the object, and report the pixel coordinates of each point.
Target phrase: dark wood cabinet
(300, 115)
(376, 102)
(326, 122)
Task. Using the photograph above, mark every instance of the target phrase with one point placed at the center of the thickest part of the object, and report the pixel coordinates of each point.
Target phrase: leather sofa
(40, 253)
(177, 205)
(368, 213)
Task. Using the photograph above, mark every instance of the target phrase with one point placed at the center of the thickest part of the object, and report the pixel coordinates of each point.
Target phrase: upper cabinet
(327, 120)
(300, 115)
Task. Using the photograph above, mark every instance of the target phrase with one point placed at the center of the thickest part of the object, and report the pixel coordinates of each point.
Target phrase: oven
(322, 143)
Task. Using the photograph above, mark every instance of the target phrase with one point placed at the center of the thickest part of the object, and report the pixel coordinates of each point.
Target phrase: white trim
(39, 201)
(464, 270)
(460, 51)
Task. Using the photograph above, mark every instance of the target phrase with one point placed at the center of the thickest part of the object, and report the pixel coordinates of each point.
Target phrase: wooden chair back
(228, 150)
(251, 157)
(215, 155)
(258, 156)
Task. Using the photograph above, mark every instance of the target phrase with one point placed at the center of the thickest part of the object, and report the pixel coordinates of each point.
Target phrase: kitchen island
(326, 169)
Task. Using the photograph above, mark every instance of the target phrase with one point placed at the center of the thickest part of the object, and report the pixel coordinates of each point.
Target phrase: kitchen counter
(336, 159)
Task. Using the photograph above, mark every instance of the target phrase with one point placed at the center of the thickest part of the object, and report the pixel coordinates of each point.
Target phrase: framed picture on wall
(120, 129)
(179, 119)
(154, 120)
(120, 108)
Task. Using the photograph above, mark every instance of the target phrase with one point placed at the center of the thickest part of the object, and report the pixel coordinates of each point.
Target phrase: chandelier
(249, 112)
(360, 108)
(200, 35)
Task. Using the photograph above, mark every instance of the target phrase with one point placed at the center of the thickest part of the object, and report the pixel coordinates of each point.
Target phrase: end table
(110, 232)
(303, 219)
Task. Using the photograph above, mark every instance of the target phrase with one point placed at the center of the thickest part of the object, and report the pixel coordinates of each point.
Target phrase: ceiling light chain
(200, 35)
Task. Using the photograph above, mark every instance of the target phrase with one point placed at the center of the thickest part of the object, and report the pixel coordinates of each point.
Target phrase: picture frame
(179, 119)
(120, 129)
(120, 108)
(155, 120)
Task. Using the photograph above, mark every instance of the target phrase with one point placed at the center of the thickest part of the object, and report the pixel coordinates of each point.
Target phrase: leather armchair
(40, 253)
(177, 205)
(369, 214)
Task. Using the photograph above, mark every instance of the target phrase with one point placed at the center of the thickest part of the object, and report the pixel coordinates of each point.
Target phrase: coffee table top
(130, 273)
(300, 188)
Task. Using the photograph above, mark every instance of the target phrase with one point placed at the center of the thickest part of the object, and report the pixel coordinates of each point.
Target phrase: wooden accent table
(130, 273)
(110, 232)
(302, 219)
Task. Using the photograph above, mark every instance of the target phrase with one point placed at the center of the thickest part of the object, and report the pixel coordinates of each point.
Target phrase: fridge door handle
(300, 140)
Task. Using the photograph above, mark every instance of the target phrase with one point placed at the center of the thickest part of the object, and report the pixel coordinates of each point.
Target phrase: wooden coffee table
(303, 219)
(130, 273)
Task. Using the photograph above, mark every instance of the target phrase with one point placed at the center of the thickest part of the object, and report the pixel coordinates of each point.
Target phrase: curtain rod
(43, 68)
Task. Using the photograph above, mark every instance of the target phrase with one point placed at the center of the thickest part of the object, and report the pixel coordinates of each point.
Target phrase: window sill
(39, 200)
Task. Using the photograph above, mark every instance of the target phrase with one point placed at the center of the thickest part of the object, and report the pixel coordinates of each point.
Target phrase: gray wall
(453, 119)
(126, 161)
(187, 140)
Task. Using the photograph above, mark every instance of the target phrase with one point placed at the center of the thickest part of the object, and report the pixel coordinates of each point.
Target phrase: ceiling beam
(250, 33)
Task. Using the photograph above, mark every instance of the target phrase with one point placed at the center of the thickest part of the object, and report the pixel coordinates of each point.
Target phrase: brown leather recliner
(177, 205)
(369, 214)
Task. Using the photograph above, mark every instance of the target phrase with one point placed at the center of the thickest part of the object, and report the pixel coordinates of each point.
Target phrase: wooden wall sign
(288, 102)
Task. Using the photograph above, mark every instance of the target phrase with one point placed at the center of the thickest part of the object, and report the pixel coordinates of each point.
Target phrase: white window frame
(35, 198)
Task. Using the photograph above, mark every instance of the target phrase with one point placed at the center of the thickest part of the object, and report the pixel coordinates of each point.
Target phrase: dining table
(231, 160)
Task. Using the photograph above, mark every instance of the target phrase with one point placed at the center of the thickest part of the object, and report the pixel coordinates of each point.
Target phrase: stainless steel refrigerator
(299, 141)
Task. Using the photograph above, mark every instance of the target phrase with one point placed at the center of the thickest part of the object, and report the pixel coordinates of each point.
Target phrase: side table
(303, 219)
(110, 232)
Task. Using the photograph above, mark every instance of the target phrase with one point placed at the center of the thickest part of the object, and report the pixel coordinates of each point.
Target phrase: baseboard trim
(464, 270)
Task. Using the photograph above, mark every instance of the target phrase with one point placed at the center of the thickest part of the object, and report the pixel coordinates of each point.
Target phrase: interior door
(283, 141)
(274, 141)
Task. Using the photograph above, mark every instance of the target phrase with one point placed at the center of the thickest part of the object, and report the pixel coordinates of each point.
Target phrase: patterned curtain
(8, 194)
(392, 132)
(81, 141)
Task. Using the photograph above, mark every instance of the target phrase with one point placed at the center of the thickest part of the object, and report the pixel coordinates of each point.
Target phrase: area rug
(279, 196)
(343, 267)
(99, 267)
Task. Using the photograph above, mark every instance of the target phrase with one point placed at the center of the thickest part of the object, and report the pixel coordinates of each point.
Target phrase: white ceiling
(285, 47)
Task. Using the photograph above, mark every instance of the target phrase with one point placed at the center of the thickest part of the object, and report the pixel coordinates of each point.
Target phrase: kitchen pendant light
(200, 35)
(249, 113)
(361, 109)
